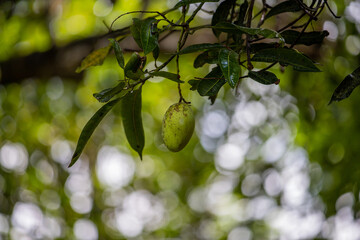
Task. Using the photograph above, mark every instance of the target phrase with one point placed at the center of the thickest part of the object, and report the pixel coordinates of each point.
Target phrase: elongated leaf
(307, 38)
(210, 57)
(242, 14)
(194, 84)
(149, 35)
(132, 120)
(187, 2)
(228, 61)
(286, 56)
(136, 31)
(256, 47)
(346, 87)
(156, 53)
(264, 77)
(107, 94)
(118, 53)
(212, 83)
(287, 6)
(90, 127)
(200, 47)
(95, 58)
(171, 76)
(234, 29)
(221, 14)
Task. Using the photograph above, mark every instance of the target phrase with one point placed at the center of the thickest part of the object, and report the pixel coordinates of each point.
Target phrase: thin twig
(249, 65)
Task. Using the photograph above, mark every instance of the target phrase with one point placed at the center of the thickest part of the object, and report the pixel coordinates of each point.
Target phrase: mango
(178, 126)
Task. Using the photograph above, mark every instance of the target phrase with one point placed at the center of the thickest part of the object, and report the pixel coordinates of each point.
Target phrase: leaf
(228, 61)
(171, 76)
(187, 2)
(234, 29)
(287, 6)
(156, 53)
(286, 56)
(242, 14)
(209, 57)
(95, 58)
(221, 14)
(200, 47)
(194, 84)
(149, 35)
(256, 47)
(212, 83)
(346, 87)
(264, 77)
(118, 53)
(306, 38)
(107, 94)
(89, 129)
(136, 31)
(132, 68)
(132, 120)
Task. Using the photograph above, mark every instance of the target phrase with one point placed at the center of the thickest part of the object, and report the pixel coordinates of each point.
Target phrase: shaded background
(266, 162)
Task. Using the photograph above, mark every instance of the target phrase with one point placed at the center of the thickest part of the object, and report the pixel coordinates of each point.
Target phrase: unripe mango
(178, 126)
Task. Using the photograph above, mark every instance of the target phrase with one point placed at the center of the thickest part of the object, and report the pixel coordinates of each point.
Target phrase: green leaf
(256, 47)
(187, 2)
(286, 56)
(132, 120)
(209, 57)
(132, 68)
(107, 94)
(156, 52)
(194, 84)
(242, 14)
(264, 77)
(118, 53)
(306, 38)
(346, 87)
(211, 83)
(149, 35)
(200, 47)
(234, 29)
(228, 61)
(287, 6)
(221, 14)
(95, 58)
(171, 76)
(89, 129)
(136, 31)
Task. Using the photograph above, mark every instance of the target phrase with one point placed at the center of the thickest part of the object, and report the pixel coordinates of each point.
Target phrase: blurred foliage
(267, 162)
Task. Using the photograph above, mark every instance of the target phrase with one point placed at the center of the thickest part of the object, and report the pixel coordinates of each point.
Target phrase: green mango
(178, 126)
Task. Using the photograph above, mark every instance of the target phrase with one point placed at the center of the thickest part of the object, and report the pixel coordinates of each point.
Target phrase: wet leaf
(136, 31)
(107, 94)
(346, 87)
(212, 83)
(264, 77)
(149, 35)
(171, 76)
(132, 120)
(287, 6)
(228, 62)
(95, 58)
(90, 128)
(118, 52)
(200, 47)
(286, 56)
(221, 14)
(306, 38)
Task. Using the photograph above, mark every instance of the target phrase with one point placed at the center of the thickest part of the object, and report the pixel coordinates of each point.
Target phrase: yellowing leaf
(95, 58)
